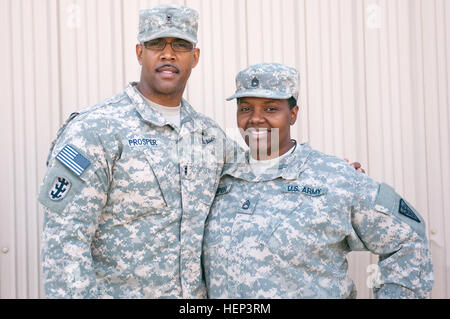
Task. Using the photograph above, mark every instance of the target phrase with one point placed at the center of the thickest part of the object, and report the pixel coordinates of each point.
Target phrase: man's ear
(139, 52)
(294, 113)
(196, 57)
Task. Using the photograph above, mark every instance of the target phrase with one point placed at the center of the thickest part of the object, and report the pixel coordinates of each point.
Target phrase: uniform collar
(149, 114)
(289, 167)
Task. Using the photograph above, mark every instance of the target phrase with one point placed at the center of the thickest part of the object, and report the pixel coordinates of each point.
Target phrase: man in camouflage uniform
(284, 231)
(127, 191)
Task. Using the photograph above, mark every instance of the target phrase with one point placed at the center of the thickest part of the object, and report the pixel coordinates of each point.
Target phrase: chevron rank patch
(73, 160)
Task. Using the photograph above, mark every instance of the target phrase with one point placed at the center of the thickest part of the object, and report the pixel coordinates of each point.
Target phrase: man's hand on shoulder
(356, 165)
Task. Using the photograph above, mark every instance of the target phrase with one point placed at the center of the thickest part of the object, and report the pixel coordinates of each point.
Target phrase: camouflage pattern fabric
(124, 217)
(168, 20)
(267, 80)
(286, 233)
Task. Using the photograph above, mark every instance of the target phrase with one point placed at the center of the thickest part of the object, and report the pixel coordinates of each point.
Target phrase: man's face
(262, 120)
(165, 72)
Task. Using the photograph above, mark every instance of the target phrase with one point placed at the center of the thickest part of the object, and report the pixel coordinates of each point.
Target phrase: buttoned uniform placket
(199, 177)
(169, 147)
(198, 172)
(164, 163)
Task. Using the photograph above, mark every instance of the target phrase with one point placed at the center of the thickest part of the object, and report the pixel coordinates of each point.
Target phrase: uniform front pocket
(135, 192)
(296, 236)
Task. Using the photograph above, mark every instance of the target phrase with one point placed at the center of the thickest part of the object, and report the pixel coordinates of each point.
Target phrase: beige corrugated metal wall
(374, 89)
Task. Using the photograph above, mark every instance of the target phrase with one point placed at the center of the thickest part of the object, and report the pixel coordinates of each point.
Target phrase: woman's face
(265, 125)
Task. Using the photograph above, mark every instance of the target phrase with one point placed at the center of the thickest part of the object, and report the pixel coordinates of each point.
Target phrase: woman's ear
(294, 113)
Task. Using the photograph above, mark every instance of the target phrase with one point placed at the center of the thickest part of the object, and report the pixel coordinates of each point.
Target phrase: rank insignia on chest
(304, 189)
(247, 205)
(73, 160)
(60, 188)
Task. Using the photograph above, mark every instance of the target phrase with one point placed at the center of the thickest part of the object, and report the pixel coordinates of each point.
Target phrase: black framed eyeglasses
(178, 45)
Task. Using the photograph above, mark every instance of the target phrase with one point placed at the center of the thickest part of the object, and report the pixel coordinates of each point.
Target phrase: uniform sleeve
(390, 227)
(73, 194)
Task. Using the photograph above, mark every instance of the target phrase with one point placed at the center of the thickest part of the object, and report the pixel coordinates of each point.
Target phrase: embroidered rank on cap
(255, 82)
(73, 160)
(169, 19)
(405, 210)
(61, 187)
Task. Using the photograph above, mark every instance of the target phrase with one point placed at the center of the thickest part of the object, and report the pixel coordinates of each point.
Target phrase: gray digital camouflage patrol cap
(268, 80)
(168, 20)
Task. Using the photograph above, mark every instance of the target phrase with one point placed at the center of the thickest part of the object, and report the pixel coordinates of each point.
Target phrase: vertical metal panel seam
(371, 257)
(88, 87)
(77, 68)
(444, 11)
(358, 48)
(36, 208)
(331, 74)
(341, 73)
(25, 151)
(389, 29)
(272, 53)
(49, 81)
(58, 36)
(424, 104)
(380, 92)
(112, 10)
(223, 84)
(214, 69)
(203, 108)
(306, 68)
(297, 61)
(365, 82)
(246, 31)
(321, 72)
(13, 150)
(386, 36)
(400, 100)
(448, 59)
(296, 36)
(97, 51)
(439, 131)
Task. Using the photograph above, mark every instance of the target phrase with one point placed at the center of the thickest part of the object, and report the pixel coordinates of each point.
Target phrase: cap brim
(172, 33)
(260, 93)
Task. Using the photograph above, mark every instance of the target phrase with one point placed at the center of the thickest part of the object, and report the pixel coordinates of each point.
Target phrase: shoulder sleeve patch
(73, 160)
(405, 210)
(62, 183)
(390, 203)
